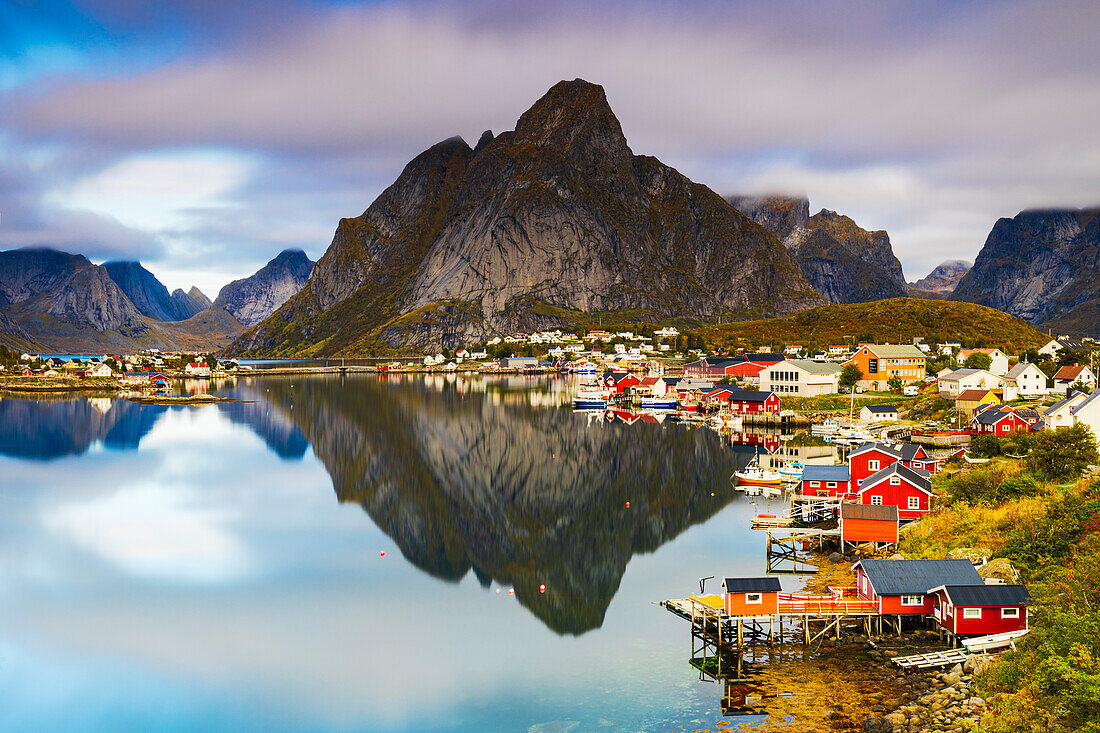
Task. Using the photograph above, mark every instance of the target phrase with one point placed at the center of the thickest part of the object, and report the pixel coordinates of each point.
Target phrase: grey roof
(1018, 369)
(883, 513)
(961, 374)
(992, 416)
(895, 577)
(916, 476)
(880, 408)
(1080, 405)
(752, 585)
(886, 448)
(825, 473)
(909, 451)
(987, 595)
(1072, 344)
(1061, 403)
(894, 351)
(815, 367)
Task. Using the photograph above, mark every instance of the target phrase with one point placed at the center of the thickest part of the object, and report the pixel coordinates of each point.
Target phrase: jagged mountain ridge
(844, 262)
(254, 298)
(558, 215)
(944, 277)
(1042, 266)
(151, 297)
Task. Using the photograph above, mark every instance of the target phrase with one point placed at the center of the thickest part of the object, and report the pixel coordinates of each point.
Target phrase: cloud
(929, 121)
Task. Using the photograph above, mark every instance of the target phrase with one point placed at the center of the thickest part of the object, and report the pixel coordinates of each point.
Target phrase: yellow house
(971, 399)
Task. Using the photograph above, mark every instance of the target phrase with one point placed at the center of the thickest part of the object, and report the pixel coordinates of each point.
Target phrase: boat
(756, 475)
(828, 427)
(658, 403)
(590, 397)
(792, 471)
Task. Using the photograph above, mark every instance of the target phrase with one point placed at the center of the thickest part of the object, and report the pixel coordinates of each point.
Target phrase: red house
(716, 395)
(619, 381)
(999, 420)
(825, 481)
(751, 596)
(751, 402)
(870, 458)
(744, 365)
(980, 609)
(897, 485)
(861, 523)
(904, 586)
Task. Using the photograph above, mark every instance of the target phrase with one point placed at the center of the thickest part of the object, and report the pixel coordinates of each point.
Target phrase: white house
(1056, 345)
(101, 370)
(1087, 412)
(1025, 380)
(960, 380)
(1067, 376)
(197, 369)
(801, 377)
(999, 365)
(879, 413)
(1060, 414)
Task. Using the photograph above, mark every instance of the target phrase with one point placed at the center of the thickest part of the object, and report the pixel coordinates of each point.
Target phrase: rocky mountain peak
(574, 118)
(787, 217)
(943, 278)
(254, 298)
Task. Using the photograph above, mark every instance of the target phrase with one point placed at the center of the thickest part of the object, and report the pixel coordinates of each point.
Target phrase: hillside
(896, 320)
(557, 214)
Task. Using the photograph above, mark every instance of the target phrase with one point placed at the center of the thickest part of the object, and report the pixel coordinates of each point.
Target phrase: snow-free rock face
(254, 298)
(943, 278)
(555, 217)
(1042, 266)
(843, 262)
(149, 295)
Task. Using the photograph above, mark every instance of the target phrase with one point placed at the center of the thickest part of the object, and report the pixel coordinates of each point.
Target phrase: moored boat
(756, 475)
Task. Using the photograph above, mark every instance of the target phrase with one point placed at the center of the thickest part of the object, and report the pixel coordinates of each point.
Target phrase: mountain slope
(557, 214)
(1042, 266)
(150, 296)
(252, 299)
(843, 262)
(944, 278)
(896, 320)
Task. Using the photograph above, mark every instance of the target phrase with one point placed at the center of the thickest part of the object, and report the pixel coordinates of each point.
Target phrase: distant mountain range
(943, 279)
(52, 301)
(528, 230)
(843, 262)
(1042, 266)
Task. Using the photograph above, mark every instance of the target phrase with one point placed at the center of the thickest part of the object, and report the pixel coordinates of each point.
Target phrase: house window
(972, 613)
(872, 465)
(830, 484)
(895, 481)
(876, 501)
(912, 601)
(914, 502)
(754, 598)
(815, 484)
(1010, 613)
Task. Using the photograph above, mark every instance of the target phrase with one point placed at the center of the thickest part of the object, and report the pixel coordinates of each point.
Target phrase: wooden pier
(784, 545)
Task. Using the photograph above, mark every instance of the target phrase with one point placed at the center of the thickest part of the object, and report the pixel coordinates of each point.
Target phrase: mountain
(60, 302)
(558, 215)
(1042, 266)
(254, 298)
(894, 321)
(150, 296)
(943, 278)
(843, 262)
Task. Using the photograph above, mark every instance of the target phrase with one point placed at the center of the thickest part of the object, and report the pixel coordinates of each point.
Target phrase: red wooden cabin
(903, 586)
(752, 402)
(981, 609)
(897, 485)
(998, 420)
(825, 481)
(751, 596)
(870, 458)
(860, 523)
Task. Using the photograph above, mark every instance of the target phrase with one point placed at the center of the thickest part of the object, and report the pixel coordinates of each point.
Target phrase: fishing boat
(792, 471)
(590, 397)
(756, 475)
(828, 427)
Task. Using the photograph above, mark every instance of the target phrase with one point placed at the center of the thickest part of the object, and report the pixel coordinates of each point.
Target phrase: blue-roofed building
(825, 481)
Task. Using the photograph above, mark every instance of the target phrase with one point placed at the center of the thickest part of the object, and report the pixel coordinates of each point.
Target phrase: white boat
(589, 397)
(659, 403)
(828, 427)
(792, 471)
(756, 475)
(993, 641)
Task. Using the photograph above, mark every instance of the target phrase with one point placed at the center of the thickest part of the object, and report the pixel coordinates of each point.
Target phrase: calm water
(220, 567)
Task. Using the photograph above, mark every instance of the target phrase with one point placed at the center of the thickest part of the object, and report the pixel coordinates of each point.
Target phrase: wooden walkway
(932, 659)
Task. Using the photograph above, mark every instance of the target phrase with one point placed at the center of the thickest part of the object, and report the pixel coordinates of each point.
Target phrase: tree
(1080, 386)
(211, 361)
(978, 360)
(1063, 453)
(894, 384)
(849, 375)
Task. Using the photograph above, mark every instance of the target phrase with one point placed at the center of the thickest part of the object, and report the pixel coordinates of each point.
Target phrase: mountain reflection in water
(470, 476)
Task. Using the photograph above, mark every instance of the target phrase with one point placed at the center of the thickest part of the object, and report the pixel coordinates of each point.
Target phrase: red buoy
(382, 553)
(542, 588)
(628, 505)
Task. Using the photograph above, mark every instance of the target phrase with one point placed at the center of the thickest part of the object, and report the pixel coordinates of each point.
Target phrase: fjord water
(220, 567)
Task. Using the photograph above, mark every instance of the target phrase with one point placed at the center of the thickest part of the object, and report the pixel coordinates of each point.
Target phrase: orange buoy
(542, 588)
(511, 591)
(628, 505)
(382, 553)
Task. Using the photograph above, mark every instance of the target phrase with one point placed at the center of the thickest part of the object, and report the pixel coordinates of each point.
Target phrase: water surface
(341, 553)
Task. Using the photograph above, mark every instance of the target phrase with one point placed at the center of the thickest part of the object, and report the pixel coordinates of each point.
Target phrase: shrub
(985, 446)
(1063, 453)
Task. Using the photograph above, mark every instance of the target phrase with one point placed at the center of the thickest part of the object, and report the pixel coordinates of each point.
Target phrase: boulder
(976, 555)
(835, 557)
(998, 569)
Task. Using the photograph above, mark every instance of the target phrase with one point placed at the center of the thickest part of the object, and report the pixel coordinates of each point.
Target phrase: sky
(203, 137)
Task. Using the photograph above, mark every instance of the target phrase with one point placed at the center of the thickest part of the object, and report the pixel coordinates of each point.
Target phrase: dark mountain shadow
(50, 429)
